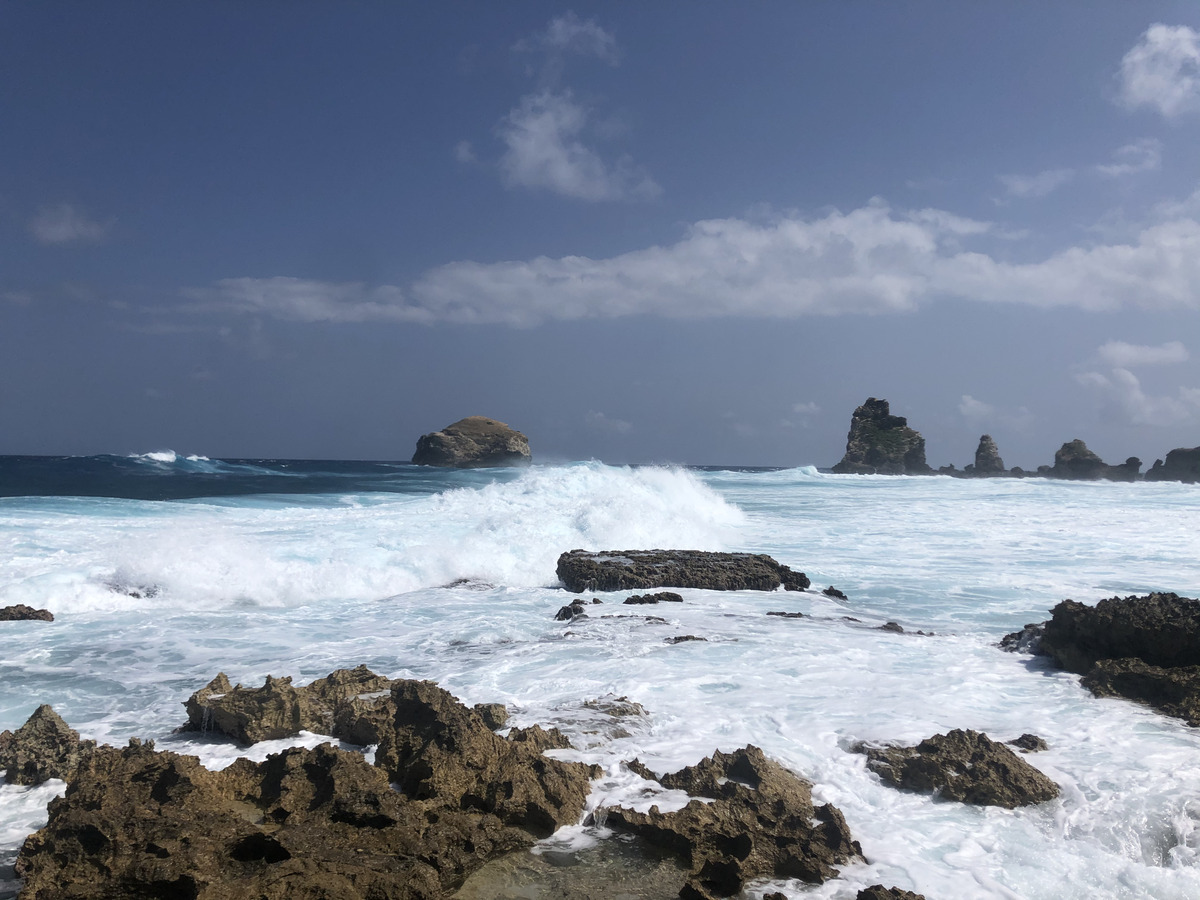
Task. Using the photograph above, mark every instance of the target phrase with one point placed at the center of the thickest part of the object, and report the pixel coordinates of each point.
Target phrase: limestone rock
(1182, 464)
(882, 444)
(618, 570)
(475, 442)
(761, 824)
(1173, 691)
(879, 892)
(437, 749)
(967, 766)
(21, 613)
(660, 597)
(44, 747)
(1027, 640)
(1075, 462)
(1029, 743)
(1161, 629)
(987, 458)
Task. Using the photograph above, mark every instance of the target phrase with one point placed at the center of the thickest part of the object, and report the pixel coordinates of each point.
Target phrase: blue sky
(695, 233)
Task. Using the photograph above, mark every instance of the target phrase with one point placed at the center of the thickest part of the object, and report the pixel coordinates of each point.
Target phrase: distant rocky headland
(880, 443)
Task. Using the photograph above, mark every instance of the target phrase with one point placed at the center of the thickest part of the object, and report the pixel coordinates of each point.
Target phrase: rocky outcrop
(44, 747)
(1075, 462)
(22, 613)
(1172, 691)
(987, 459)
(660, 597)
(1182, 464)
(882, 444)
(620, 570)
(445, 794)
(879, 892)
(475, 442)
(967, 766)
(761, 824)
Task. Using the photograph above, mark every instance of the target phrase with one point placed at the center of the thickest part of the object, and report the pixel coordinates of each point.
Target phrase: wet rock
(1161, 629)
(882, 444)
(879, 892)
(1075, 462)
(494, 715)
(1029, 743)
(1027, 640)
(684, 638)
(44, 747)
(895, 627)
(19, 612)
(616, 570)
(660, 597)
(347, 703)
(987, 458)
(786, 615)
(1172, 691)
(573, 610)
(437, 749)
(833, 592)
(967, 766)
(1181, 464)
(761, 824)
(616, 707)
(306, 824)
(473, 443)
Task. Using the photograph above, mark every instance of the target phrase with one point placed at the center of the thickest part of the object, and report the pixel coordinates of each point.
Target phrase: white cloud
(464, 152)
(570, 34)
(1140, 156)
(1038, 185)
(598, 421)
(975, 410)
(301, 300)
(64, 224)
(545, 149)
(979, 413)
(1162, 71)
(1123, 396)
(806, 409)
(1127, 356)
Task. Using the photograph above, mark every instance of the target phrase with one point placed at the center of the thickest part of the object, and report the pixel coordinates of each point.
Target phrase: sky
(694, 233)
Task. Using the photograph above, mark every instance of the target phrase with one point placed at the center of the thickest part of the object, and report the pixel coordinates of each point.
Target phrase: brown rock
(618, 570)
(473, 443)
(1172, 691)
(660, 597)
(879, 892)
(762, 824)
(21, 613)
(44, 747)
(1161, 629)
(962, 765)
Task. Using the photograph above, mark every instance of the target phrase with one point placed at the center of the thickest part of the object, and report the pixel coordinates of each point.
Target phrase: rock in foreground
(620, 570)
(882, 444)
(44, 747)
(762, 824)
(475, 442)
(967, 766)
(21, 613)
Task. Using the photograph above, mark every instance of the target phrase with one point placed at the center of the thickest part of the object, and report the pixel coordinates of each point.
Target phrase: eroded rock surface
(987, 458)
(44, 747)
(1162, 629)
(1173, 691)
(619, 570)
(882, 444)
(762, 823)
(19, 612)
(660, 597)
(879, 892)
(967, 766)
(1182, 464)
(475, 442)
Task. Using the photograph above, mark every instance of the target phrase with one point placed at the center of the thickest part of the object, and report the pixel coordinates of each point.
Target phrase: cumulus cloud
(1123, 396)
(976, 410)
(1039, 185)
(1126, 356)
(1140, 156)
(985, 415)
(598, 421)
(1162, 71)
(545, 149)
(64, 224)
(301, 300)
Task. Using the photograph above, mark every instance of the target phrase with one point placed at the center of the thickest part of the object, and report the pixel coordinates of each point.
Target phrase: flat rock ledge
(621, 570)
(966, 766)
(761, 823)
(444, 795)
(475, 442)
(1143, 648)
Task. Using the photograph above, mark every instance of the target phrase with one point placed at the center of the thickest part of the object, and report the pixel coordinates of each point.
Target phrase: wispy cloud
(1123, 397)
(64, 224)
(570, 34)
(1140, 156)
(302, 300)
(1127, 356)
(545, 149)
(986, 415)
(1039, 185)
(1162, 71)
(598, 421)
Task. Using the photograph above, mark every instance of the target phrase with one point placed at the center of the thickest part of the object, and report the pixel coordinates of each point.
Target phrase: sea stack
(882, 444)
(1182, 465)
(475, 442)
(987, 458)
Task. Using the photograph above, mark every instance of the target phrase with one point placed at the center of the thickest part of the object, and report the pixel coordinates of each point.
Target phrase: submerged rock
(761, 824)
(660, 597)
(475, 442)
(834, 593)
(882, 444)
(967, 766)
(618, 570)
(44, 747)
(19, 612)
(1181, 464)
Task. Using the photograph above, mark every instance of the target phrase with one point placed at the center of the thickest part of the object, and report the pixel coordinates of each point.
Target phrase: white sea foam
(302, 586)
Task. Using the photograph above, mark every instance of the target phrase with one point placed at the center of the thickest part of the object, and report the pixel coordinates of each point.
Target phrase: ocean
(164, 569)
